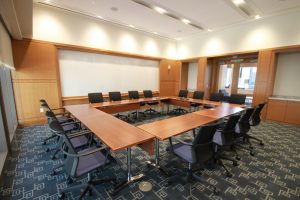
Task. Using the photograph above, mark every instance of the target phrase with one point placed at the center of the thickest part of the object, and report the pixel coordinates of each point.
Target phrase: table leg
(156, 161)
(130, 178)
(137, 114)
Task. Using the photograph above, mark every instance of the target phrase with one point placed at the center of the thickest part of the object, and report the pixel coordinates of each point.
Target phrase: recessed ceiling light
(155, 33)
(257, 16)
(160, 10)
(209, 30)
(131, 26)
(186, 21)
(238, 2)
(177, 38)
(47, 1)
(99, 17)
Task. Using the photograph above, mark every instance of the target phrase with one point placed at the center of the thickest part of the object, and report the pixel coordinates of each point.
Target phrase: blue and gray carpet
(273, 173)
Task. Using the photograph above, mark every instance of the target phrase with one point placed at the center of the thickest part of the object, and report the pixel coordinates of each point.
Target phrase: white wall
(192, 75)
(6, 57)
(64, 27)
(259, 34)
(287, 79)
(83, 72)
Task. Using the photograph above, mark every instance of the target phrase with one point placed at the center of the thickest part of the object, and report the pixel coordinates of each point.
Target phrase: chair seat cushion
(195, 104)
(79, 141)
(90, 162)
(151, 103)
(184, 152)
(68, 127)
(63, 119)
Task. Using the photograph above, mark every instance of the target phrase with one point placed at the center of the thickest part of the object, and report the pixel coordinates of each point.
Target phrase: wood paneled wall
(36, 77)
(265, 77)
(169, 77)
(204, 76)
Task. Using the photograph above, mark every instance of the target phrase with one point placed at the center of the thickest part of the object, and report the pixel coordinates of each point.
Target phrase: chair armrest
(72, 135)
(182, 142)
(82, 154)
(68, 123)
(58, 108)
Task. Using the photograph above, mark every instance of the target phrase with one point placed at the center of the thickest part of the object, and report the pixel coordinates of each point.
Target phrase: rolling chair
(197, 95)
(241, 130)
(224, 138)
(116, 96)
(95, 97)
(214, 97)
(81, 163)
(182, 94)
(237, 98)
(199, 151)
(255, 121)
(149, 94)
(225, 95)
(135, 95)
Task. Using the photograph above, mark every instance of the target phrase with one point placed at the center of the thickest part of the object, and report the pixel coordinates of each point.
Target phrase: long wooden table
(118, 135)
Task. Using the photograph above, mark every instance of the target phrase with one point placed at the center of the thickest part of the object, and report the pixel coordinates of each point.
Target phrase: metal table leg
(156, 161)
(130, 178)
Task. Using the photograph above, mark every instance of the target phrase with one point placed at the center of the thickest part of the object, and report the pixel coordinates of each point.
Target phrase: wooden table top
(223, 110)
(126, 101)
(114, 132)
(167, 128)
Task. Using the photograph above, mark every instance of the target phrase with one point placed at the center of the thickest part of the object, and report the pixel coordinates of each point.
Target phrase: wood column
(204, 76)
(170, 77)
(235, 78)
(265, 77)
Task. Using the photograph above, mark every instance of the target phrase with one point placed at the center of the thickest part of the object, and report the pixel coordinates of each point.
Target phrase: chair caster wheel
(62, 195)
(238, 158)
(216, 191)
(252, 153)
(261, 144)
(235, 163)
(229, 175)
(70, 180)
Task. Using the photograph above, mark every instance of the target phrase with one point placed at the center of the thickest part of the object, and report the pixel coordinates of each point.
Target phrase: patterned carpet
(273, 173)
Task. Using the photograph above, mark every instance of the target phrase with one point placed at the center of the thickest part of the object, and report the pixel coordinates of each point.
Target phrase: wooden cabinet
(284, 111)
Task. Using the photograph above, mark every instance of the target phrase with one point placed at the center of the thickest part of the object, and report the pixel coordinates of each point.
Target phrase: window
(247, 78)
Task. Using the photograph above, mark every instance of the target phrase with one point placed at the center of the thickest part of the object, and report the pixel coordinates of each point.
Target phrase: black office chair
(199, 151)
(84, 162)
(149, 94)
(96, 97)
(241, 131)
(116, 96)
(237, 98)
(135, 95)
(182, 94)
(61, 117)
(225, 95)
(224, 139)
(255, 121)
(214, 97)
(197, 95)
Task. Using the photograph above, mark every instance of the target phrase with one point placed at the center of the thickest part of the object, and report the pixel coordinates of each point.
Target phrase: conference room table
(167, 128)
(119, 135)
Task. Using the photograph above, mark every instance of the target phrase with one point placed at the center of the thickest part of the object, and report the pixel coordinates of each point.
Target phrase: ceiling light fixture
(238, 2)
(155, 33)
(160, 10)
(186, 21)
(131, 26)
(257, 16)
(209, 30)
(47, 1)
(99, 17)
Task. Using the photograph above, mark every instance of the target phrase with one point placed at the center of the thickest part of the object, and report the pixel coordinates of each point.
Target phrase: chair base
(151, 111)
(88, 187)
(178, 111)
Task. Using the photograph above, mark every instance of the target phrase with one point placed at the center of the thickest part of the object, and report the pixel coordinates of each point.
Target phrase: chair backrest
(133, 94)
(255, 117)
(216, 96)
(228, 132)
(183, 93)
(148, 93)
(237, 98)
(96, 97)
(115, 96)
(223, 92)
(202, 144)
(198, 95)
(50, 116)
(243, 125)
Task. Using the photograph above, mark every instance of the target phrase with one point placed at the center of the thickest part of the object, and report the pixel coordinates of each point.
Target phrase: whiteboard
(83, 72)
